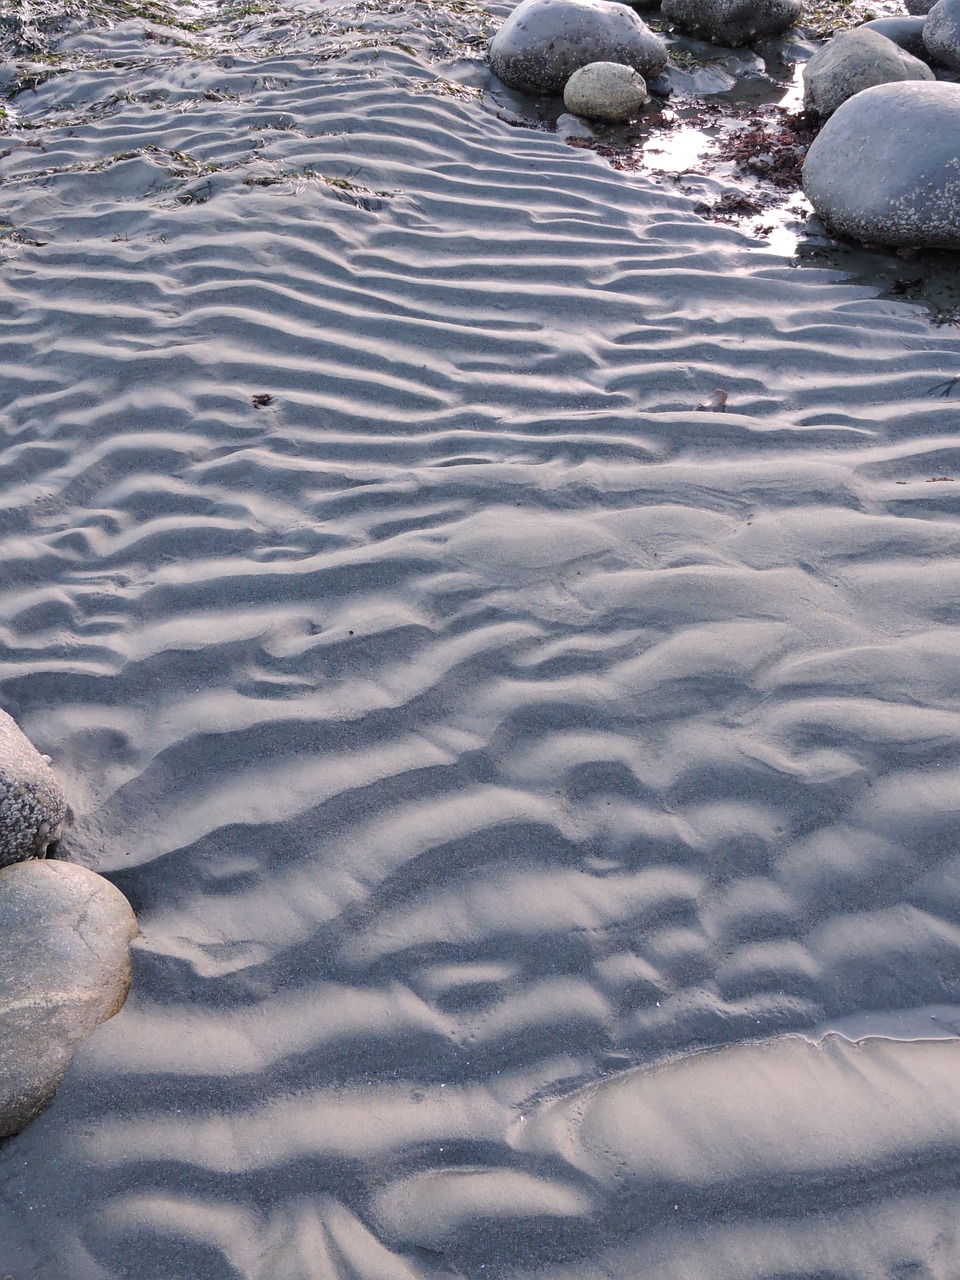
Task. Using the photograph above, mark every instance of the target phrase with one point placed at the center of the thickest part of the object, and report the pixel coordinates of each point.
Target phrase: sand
(472, 724)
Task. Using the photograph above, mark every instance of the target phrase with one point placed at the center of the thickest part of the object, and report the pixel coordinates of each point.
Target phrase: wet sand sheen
(505, 761)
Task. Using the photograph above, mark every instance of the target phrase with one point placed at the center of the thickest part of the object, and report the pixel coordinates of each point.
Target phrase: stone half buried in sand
(544, 42)
(732, 23)
(885, 168)
(33, 809)
(65, 936)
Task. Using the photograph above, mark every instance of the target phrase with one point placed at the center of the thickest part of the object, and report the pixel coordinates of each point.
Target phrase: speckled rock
(854, 61)
(544, 42)
(920, 7)
(885, 168)
(32, 806)
(905, 32)
(606, 91)
(731, 22)
(65, 936)
(941, 33)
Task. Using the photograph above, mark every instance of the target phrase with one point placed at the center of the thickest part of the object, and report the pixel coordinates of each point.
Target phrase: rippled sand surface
(520, 777)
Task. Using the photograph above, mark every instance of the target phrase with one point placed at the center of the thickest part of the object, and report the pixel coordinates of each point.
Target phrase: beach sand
(469, 720)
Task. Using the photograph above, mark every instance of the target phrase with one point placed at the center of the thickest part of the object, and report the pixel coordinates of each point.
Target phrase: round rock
(885, 167)
(918, 7)
(544, 42)
(941, 33)
(608, 91)
(854, 61)
(905, 32)
(65, 936)
(732, 22)
(33, 809)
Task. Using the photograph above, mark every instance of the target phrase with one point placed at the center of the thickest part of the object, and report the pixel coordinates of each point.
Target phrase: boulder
(33, 809)
(65, 936)
(885, 167)
(608, 91)
(731, 22)
(544, 42)
(905, 32)
(941, 33)
(920, 7)
(854, 61)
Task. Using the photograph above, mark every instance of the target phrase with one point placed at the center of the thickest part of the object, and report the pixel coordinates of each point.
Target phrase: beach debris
(261, 400)
(854, 61)
(717, 403)
(731, 23)
(910, 199)
(772, 149)
(727, 208)
(65, 936)
(941, 33)
(608, 91)
(544, 42)
(945, 389)
(33, 809)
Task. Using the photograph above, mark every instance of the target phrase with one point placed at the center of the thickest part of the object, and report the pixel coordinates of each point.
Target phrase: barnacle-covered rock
(885, 169)
(33, 809)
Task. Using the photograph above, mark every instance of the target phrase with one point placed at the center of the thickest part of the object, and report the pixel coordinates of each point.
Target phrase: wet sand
(516, 772)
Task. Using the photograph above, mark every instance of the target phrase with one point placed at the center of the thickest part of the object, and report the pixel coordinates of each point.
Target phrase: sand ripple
(473, 722)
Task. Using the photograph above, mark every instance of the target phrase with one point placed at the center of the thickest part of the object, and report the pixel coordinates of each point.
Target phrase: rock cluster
(884, 168)
(544, 42)
(65, 936)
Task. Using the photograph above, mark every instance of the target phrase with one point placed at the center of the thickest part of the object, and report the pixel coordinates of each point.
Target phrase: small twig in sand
(945, 388)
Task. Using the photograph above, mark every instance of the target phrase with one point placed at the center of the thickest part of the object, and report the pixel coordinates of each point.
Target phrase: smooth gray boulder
(544, 42)
(731, 23)
(33, 809)
(885, 168)
(65, 936)
(851, 62)
(941, 33)
(905, 32)
(608, 91)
